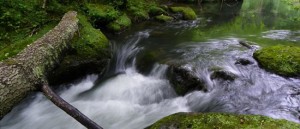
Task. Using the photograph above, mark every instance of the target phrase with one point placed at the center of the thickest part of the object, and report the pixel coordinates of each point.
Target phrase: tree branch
(68, 108)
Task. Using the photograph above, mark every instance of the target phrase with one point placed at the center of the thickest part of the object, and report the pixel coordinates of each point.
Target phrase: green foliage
(221, 121)
(294, 3)
(16, 14)
(164, 18)
(283, 60)
(91, 42)
(22, 22)
(188, 13)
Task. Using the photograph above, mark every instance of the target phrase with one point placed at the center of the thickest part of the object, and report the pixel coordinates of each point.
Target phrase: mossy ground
(188, 13)
(23, 22)
(20, 39)
(221, 121)
(283, 60)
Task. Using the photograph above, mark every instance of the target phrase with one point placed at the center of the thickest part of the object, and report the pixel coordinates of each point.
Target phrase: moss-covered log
(29, 69)
(23, 73)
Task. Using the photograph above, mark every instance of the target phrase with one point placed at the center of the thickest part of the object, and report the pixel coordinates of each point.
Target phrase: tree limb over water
(28, 71)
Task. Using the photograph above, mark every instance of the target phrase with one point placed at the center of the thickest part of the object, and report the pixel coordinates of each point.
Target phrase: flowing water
(136, 91)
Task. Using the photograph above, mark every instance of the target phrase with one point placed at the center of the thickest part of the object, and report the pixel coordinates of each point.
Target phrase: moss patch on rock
(164, 18)
(139, 9)
(188, 13)
(283, 60)
(221, 121)
(119, 24)
(101, 14)
(89, 53)
(155, 10)
(91, 42)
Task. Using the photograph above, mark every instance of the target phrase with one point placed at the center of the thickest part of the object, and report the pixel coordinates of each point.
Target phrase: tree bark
(28, 70)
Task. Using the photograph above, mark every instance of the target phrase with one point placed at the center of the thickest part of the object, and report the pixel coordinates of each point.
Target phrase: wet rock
(164, 18)
(146, 60)
(154, 10)
(219, 73)
(73, 68)
(243, 61)
(184, 81)
(220, 121)
(187, 12)
(281, 59)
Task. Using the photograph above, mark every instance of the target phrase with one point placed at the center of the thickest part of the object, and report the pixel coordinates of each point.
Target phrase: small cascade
(124, 53)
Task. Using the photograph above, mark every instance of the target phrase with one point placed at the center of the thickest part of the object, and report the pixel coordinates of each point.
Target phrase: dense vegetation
(22, 22)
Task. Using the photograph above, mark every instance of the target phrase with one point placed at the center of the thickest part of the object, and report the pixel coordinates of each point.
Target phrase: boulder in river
(280, 59)
(184, 81)
(220, 73)
(243, 61)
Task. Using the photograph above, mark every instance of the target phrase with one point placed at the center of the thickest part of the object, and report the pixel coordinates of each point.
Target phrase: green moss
(164, 18)
(155, 10)
(100, 14)
(20, 39)
(283, 60)
(188, 13)
(221, 121)
(119, 24)
(91, 42)
(138, 9)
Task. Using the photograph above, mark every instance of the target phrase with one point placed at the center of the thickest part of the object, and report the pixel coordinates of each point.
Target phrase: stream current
(134, 97)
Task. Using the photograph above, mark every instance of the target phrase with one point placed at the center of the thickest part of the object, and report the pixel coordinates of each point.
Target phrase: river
(136, 92)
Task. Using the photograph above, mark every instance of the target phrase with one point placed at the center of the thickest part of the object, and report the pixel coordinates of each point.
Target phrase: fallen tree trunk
(29, 69)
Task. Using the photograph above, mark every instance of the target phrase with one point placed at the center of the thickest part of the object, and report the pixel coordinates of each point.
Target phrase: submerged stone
(282, 60)
(221, 121)
(188, 13)
(184, 81)
(220, 73)
(243, 61)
